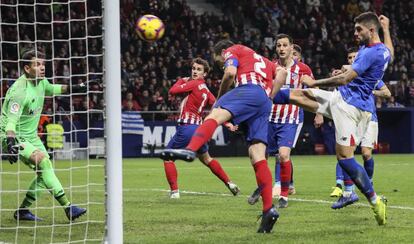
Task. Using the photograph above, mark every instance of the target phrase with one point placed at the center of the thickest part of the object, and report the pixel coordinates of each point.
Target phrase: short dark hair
(297, 48)
(352, 50)
(368, 18)
(201, 62)
(28, 55)
(223, 44)
(280, 36)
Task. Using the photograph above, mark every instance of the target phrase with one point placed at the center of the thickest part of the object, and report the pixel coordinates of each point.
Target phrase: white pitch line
(250, 167)
(290, 198)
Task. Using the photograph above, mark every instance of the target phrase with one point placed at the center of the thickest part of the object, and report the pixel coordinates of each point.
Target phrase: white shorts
(370, 138)
(351, 123)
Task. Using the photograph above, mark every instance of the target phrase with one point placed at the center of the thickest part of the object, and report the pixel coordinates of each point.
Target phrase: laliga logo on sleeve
(14, 108)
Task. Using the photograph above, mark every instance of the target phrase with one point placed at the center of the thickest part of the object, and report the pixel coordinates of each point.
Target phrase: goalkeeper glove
(12, 149)
(82, 87)
(79, 88)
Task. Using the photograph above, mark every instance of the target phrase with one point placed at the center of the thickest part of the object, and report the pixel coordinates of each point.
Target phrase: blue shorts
(282, 135)
(250, 108)
(183, 136)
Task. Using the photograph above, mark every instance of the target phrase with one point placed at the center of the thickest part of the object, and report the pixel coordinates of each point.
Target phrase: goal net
(69, 33)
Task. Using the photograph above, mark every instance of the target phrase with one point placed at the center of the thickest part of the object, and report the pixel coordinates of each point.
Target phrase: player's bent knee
(220, 115)
(205, 158)
(257, 151)
(284, 157)
(366, 156)
(284, 154)
(37, 156)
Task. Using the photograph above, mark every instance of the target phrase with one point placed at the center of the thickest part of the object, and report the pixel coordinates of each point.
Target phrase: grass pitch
(207, 212)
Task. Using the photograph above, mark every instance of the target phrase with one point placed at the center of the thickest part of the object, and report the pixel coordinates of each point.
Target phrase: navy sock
(369, 167)
(348, 183)
(277, 171)
(282, 97)
(291, 174)
(339, 175)
(359, 177)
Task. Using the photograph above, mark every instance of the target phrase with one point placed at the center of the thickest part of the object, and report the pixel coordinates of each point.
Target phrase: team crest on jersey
(14, 108)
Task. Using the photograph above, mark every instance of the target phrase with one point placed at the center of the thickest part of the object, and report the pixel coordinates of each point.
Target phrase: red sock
(216, 168)
(202, 135)
(264, 180)
(171, 173)
(285, 176)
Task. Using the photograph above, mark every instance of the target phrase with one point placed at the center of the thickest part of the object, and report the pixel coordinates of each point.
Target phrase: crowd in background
(70, 36)
(323, 28)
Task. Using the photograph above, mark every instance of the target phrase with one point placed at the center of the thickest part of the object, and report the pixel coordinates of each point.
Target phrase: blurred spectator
(129, 101)
(324, 30)
(394, 104)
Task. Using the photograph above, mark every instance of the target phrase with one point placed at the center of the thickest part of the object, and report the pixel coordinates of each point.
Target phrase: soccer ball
(149, 28)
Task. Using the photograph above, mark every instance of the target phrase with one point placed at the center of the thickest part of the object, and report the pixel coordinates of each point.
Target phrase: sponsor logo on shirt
(14, 108)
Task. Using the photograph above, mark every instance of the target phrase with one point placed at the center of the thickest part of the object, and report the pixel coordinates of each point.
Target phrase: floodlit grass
(208, 213)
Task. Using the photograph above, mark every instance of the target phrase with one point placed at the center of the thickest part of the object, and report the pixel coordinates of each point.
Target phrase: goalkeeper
(19, 120)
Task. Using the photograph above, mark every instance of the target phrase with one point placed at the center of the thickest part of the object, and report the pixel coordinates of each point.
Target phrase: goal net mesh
(69, 33)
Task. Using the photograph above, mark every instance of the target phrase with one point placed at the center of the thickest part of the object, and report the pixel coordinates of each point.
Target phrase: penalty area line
(290, 198)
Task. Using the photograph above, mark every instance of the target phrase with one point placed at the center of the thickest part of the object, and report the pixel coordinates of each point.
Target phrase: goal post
(80, 40)
(112, 62)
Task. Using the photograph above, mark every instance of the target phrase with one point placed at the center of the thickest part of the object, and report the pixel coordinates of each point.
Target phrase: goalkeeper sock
(52, 182)
(37, 186)
(202, 135)
(171, 173)
(264, 181)
(216, 168)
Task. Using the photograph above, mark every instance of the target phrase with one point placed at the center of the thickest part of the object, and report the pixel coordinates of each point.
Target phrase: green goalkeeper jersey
(23, 106)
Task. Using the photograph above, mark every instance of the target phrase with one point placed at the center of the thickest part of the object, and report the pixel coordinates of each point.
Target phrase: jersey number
(260, 65)
(204, 95)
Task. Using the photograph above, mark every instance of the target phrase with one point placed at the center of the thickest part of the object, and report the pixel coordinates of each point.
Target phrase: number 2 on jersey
(260, 65)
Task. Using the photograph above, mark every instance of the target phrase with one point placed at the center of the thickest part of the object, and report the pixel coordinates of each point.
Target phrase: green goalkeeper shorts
(28, 146)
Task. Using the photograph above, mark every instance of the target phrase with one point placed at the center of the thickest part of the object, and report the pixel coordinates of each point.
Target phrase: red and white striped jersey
(252, 68)
(289, 113)
(193, 105)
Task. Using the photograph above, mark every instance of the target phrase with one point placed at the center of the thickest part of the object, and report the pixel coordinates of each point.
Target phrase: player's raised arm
(182, 86)
(385, 24)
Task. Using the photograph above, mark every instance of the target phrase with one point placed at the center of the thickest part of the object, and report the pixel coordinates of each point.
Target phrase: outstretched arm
(385, 23)
(338, 80)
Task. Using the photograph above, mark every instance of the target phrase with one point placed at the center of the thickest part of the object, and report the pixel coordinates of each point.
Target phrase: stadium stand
(148, 70)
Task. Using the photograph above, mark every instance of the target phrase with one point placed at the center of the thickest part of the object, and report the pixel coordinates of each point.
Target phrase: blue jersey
(378, 86)
(370, 65)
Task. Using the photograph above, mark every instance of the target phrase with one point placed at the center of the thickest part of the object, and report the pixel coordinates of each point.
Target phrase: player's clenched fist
(384, 21)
